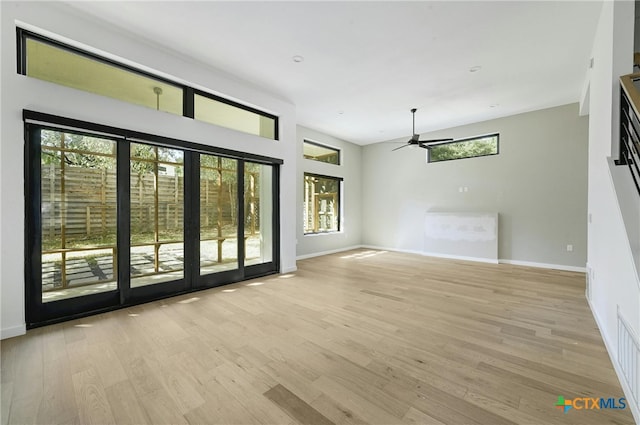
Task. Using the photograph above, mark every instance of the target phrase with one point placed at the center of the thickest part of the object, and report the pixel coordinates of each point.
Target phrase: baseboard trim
(452, 257)
(434, 254)
(385, 248)
(13, 331)
(460, 257)
(289, 270)
(332, 251)
(544, 265)
(635, 410)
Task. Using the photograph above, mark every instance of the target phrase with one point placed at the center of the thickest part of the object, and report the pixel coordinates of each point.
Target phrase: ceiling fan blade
(415, 138)
(436, 141)
(430, 146)
(400, 147)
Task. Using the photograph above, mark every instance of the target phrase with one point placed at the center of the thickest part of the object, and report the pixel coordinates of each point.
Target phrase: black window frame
(236, 105)
(340, 181)
(321, 145)
(465, 140)
(188, 92)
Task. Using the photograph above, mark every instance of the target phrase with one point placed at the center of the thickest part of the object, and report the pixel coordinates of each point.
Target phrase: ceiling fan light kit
(415, 139)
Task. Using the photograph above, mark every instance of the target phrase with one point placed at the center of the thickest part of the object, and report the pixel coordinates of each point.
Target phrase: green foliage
(322, 185)
(143, 158)
(87, 151)
(90, 152)
(464, 149)
(330, 186)
(212, 166)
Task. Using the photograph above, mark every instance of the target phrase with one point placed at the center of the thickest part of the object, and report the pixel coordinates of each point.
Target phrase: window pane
(258, 213)
(78, 207)
(317, 152)
(218, 214)
(321, 204)
(67, 68)
(469, 148)
(157, 214)
(234, 117)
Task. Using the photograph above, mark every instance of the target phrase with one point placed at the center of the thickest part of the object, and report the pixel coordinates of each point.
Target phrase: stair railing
(630, 126)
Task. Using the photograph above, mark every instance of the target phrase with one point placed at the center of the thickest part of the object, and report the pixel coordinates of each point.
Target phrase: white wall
(537, 184)
(614, 280)
(1, 187)
(349, 169)
(20, 92)
(636, 38)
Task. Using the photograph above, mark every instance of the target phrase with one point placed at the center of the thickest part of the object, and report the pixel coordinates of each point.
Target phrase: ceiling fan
(415, 138)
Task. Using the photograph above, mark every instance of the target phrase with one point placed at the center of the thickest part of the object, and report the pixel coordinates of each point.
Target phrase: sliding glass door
(71, 238)
(218, 214)
(237, 219)
(113, 222)
(259, 214)
(156, 197)
(78, 214)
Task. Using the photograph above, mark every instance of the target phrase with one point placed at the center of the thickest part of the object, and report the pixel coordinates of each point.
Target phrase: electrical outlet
(569, 248)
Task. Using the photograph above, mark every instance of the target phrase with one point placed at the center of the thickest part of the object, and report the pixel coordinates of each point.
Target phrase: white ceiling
(367, 63)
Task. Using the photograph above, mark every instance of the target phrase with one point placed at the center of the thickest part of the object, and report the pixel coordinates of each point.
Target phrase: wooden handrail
(626, 82)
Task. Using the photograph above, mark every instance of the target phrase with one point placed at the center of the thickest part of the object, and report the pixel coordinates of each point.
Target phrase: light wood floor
(351, 338)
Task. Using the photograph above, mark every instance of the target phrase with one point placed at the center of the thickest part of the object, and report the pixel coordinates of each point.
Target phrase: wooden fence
(87, 203)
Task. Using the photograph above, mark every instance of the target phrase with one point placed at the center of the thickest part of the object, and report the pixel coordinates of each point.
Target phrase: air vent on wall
(629, 357)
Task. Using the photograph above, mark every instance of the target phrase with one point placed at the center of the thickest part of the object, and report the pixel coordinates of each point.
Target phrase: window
(317, 152)
(321, 204)
(465, 148)
(219, 112)
(49, 60)
(63, 66)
